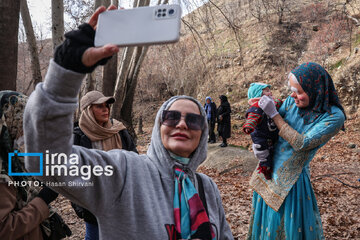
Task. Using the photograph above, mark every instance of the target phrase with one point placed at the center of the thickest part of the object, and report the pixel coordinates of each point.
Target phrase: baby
(262, 128)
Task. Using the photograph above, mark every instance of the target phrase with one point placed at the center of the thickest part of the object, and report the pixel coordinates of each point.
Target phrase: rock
(230, 157)
(238, 116)
(283, 95)
(336, 45)
(237, 59)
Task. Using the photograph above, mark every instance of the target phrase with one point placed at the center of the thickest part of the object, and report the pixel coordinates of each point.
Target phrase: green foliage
(337, 64)
(237, 146)
(357, 39)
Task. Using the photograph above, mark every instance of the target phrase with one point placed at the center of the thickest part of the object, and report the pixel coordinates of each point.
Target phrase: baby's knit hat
(255, 89)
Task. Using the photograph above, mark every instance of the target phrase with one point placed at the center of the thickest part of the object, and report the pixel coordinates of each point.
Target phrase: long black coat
(224, 125)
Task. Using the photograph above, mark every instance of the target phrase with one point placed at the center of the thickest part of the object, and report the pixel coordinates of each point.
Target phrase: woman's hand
(267, 104)
(77, 52)
(92, 55)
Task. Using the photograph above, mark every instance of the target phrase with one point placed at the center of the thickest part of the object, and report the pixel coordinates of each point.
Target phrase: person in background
(210, 109)
(22, 209)
(285, 207)
(261, 127)
(157, 195)
(96, 130)
(224, 120)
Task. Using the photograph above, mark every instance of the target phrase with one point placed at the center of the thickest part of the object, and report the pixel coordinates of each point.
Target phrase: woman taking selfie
(158, 195)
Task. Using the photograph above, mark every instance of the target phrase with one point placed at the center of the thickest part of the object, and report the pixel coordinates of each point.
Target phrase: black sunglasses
(192, 120)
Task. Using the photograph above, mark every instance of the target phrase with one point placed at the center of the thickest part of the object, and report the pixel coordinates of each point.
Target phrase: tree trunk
(31, 40)
(9, 26)
(109, 76)
(115, 3)
(90, 82)
(127, 80)
(110, 69)
(90, 77)
(120, 87)
(57, 13)
(106, 3)
(98, 3)
(140, 126)
(127, 106)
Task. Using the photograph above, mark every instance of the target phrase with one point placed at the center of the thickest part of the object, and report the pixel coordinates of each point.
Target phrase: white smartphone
(139, 26)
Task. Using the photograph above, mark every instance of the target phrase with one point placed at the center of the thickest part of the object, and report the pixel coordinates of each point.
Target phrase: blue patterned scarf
(318, 85)
(191, 220)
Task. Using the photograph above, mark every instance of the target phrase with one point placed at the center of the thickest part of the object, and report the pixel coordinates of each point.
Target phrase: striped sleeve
(252, 121)
(278, 103)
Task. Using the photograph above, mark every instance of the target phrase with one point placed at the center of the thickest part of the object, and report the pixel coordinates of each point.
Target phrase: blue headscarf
(256, 89)
(208, 108)
(319, 86)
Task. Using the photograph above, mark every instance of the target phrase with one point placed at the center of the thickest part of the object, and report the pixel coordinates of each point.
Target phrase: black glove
(47, 195)
(54, 228)
(69, 53)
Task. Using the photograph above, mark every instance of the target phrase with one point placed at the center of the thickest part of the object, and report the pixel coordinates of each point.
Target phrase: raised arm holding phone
(157, 195)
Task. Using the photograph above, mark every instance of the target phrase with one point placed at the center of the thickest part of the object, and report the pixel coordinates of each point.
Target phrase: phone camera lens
(159, 15)
(171, 11)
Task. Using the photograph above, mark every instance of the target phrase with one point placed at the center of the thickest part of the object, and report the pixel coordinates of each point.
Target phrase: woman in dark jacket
(210, 109)
(22, 207)
(224, 123)
(97, 130)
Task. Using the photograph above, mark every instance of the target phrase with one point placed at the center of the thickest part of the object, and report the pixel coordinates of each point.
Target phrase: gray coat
(137, 200)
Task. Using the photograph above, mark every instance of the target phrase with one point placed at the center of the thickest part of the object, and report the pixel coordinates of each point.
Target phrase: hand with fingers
(248, 130)
(77, 52)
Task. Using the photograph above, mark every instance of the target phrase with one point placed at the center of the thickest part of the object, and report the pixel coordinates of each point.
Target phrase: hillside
(226, 45)
(209, 60)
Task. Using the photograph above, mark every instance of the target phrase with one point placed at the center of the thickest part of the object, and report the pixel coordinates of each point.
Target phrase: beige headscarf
(108, 135)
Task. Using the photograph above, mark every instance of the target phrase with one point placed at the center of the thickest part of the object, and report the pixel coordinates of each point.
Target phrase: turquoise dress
(285, 206)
